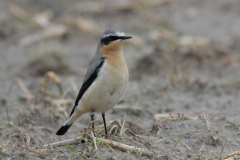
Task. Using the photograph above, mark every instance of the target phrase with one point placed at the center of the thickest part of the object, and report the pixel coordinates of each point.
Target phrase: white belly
(106, 91)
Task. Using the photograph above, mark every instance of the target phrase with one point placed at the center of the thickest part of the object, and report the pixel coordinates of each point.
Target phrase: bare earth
(184, 59)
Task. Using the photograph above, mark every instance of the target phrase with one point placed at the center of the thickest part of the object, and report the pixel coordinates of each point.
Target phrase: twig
(111, 129)
(27, 93)
(3, 145)
(222, 150)
(94, 141)
(138, 144)
(50, 32)
(173, 116)
(69, 141)
(124, 147)
(121, 146)
(60, 102)
(79, 132)
(55, 79)
(134, 108)
(147, 143)
(65, 92)
(44, 128)
(124, 119)
(91, 123)
(232, 154)
(33, 150)
(207, 121)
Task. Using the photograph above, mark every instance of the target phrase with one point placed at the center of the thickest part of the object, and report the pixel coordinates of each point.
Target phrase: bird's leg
(92, 116)
(103, 116)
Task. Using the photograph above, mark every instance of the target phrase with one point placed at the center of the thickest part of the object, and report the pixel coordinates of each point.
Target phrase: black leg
(92, 116)
(103, 116)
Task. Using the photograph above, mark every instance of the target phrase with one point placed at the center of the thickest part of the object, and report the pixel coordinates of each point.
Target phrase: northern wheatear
(105, 81)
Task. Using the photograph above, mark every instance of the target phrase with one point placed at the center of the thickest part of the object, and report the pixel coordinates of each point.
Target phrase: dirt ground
(184, 59)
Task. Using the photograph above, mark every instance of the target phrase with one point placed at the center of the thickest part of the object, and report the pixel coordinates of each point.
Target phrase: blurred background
(183, 57)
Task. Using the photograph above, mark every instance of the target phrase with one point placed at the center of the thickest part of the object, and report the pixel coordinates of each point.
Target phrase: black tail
(63, 130)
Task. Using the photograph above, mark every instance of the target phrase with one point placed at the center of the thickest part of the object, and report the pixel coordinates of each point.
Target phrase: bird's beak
(125, 37)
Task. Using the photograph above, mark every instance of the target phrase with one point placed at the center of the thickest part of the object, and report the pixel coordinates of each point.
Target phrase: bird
(105, 81)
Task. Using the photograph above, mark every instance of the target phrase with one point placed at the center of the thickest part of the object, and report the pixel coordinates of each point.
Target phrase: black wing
(87, 83)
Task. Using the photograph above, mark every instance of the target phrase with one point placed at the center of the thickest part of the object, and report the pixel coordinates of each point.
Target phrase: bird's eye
(109, 39)
(113, 38)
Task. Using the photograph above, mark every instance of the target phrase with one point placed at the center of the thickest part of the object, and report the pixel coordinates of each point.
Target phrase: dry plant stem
(27, 93)
(94, 141)
(91, 123)
(58, 102)
(120, 146)
(207, 121)
(222, 150)
(119, 106)
(124, 119)
(141, 139)
(83, 24)
(69, 141)
(32, 150)
(128, 138)
(3, 145)
(124, 147)
(173, 116)
(232, 154)
(79, 132)
(50, 93)
(55, 79)
(50, 32)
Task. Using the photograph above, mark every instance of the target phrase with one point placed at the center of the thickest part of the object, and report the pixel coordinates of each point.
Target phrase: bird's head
(113, 39)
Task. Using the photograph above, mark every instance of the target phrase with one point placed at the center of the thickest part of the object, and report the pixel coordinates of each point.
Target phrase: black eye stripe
(113, 38)
(108, 39)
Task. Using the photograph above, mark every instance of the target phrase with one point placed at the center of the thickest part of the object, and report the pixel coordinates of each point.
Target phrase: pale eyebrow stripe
(106, 35)
(120, 34)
